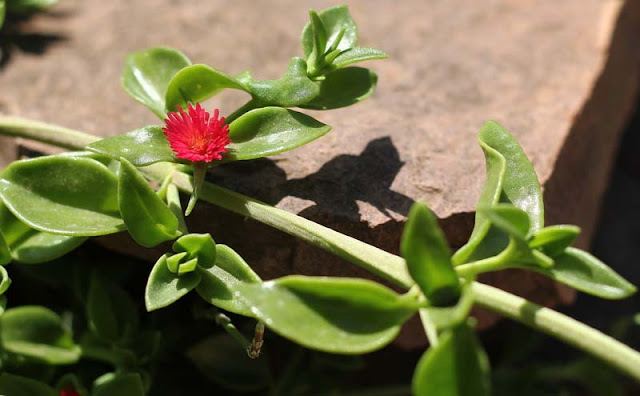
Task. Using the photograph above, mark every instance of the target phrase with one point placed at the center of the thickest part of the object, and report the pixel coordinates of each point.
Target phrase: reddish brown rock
(561, 76)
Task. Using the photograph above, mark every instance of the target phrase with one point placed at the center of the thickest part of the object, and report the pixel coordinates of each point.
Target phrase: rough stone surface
(561, 76)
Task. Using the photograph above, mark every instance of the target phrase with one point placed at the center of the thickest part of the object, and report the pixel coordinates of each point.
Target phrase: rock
(561, 76)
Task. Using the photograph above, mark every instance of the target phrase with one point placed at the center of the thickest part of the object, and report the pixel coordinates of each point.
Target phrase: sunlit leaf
(293, 89)
(357, 54)
(553, 240)
(197, 246)
(141, 147)
(64, 195)
(343, 87)
(334, 20)
(165, 287)
(269, 131)
(337, 315)
(147, 74)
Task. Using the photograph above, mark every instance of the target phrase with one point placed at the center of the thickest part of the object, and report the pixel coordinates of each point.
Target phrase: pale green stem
(384, 264)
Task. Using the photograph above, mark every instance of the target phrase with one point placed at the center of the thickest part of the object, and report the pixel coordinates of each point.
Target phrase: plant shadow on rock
(17, 34)
(335, 188)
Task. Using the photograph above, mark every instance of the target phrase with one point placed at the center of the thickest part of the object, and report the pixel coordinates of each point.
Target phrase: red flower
(195, 136)
(69, 392)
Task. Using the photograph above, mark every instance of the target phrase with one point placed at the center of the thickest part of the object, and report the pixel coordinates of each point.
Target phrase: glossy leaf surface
(271, 130)
(584, 272)
(343, 87)
(141, 147)
(510, 179)
(149, 221)
(38, 333)
(218, 282)
(125, 384)
(357, 54)
(508, 218)
(147, 75)
(456, 366)
(225, 361)
(63, 195)
(5, 281)
(293, 89)
(337, 315)
(334, 20)
(30, 246)
(110, 311)
(197, 83)
(165, 287)
(201, 247)
(428, 257)
(553, 240)
(21, 386)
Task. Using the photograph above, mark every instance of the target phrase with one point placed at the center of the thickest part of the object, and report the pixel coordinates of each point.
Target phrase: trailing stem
(388, 266)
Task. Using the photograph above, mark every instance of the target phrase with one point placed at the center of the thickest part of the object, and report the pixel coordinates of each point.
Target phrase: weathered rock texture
(561, 76)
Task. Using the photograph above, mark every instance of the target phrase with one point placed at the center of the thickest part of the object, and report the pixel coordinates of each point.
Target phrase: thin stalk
(384, 264)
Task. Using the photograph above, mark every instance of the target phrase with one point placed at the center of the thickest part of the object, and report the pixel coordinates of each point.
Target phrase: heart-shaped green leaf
(141, 147)
(197, 83)
(197, 246)
(33, 247)
(337, 315)
(165, 287)
(553, 240)
(110, 311)
(269, 131)
(20, 386)
(293, 89)
(357, 54)
(147, 75)
(428, 257)
(343, 87)
(584, 272)
(510, 179)
(225, 361)
(63, 195)
(457, 365)
(149, 221)
(334, 20)
(38, 333)
(218, 282)
(122, 384)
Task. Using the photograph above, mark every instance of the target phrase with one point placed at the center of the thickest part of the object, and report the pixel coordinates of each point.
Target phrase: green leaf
(358, 54)
(334, 20)
(584, 272)
(30, 246)
(444, 318)
(197, 83)
(147, 75)
(5, 254)
(25, 7)
(5, 281)
(64, 195)
(122, 384)
(110, 311)
(141, 147)
(508, 218)
(319, 42)
(3, 12)
(149, 221)
(343, 87)
(218, 282)
(38, 333)
(13, 385)
(456, 366)
(553, 240)
(164, 287)
(223, 360)
(337, 315)
(510, 179)
(293, 89)
(198, 246)
(269, 131)
(428, 257)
